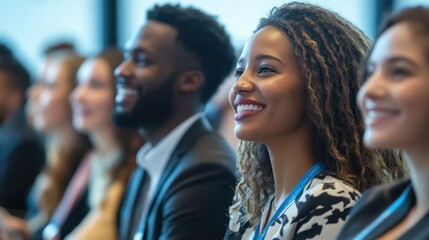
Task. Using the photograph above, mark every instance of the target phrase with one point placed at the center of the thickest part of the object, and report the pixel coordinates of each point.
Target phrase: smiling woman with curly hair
(301, 158)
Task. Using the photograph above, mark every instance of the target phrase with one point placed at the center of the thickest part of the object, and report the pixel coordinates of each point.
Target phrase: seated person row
(49, 112)
(202, 164)
(89, 205)
(310, 157)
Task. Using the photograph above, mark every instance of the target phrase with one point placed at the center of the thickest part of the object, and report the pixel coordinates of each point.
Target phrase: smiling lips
(246, 108)
(123, 93)
(377, 113)
(377, 116)
(80, 111)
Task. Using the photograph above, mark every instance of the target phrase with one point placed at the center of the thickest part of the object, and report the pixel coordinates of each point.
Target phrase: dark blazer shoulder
(198, 180)
(373, 202)
(379, 197)
(202, 145)
(21, 154)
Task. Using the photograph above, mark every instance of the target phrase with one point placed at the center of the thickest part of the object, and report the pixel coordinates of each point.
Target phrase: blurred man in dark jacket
(21, 151)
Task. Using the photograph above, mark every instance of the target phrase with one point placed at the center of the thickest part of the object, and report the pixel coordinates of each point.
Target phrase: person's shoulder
(22, 145)
(328, 186)
(212, 141)
(372, 203)
(17, 131)
(210, 148)
(381, 195)
(327, 196)
(393, 188)
(323, 207)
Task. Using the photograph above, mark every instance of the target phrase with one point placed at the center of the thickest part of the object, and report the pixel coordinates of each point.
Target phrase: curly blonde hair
(328, 49)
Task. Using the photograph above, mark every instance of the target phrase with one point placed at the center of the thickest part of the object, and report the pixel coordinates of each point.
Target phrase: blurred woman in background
(394, 102)
(104, 172)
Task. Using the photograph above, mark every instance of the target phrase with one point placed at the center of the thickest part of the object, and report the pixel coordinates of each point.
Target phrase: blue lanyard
(386, 213)
(315, 170)
(138, 235)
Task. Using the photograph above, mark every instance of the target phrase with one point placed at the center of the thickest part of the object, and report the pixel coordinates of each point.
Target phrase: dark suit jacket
(194, 191)
(21, 159)
(373, 203)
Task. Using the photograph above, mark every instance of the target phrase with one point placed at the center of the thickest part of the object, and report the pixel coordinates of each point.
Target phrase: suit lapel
(136, 182)
(199, 128)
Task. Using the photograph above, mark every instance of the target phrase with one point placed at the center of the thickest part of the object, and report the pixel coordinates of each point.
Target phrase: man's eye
(143, 61)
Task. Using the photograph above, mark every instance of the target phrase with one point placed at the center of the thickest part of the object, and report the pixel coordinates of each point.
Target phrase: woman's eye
(96, 85)
(400, 73)
(238, 73)
(49, 85)
(265, 69)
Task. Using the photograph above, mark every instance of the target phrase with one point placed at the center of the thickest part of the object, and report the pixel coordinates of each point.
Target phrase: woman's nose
(243, 85)
(374, 86)
(77, 94)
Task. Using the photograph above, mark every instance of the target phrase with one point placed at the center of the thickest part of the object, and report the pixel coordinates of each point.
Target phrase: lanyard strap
(72, 195)
(386, 213)
(315, 170)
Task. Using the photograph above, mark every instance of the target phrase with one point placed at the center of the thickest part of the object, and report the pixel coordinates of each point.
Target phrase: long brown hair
(329, 50)
(62, 160)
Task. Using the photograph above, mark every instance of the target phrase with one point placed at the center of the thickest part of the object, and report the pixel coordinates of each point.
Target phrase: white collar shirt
(154, 159)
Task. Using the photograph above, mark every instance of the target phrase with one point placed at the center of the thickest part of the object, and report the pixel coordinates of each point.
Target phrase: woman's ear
(191, 81)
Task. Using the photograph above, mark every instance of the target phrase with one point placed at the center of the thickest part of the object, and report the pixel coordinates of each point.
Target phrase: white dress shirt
(154, 159)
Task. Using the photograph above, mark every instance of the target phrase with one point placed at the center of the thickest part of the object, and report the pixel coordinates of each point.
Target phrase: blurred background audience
(40, 148)
(50, 114)
(21, 152)
(394, 103)
(89, 206)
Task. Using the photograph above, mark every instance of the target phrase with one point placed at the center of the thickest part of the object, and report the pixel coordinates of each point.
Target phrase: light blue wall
(241, 16)
(29, 25)
(32, 24)
(400, 4)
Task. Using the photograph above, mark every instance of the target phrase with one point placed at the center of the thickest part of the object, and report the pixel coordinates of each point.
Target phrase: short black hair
(202, 35)
(5, 52)
(19, 76)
